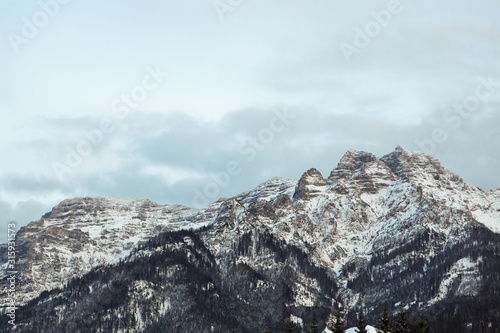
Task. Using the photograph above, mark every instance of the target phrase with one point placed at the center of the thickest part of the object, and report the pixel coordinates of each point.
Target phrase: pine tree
(402, 325)
(314, 325)
(385, 321)
(338, 326)
(361, 326)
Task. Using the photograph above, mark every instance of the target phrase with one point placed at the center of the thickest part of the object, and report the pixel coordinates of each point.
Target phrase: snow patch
(469, 283)
(297, 321)
(369, 328)
(491, 220)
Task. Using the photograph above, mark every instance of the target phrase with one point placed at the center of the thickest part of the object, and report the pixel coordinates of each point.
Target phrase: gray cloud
(227, 80)
(160, 148)
(20, 214)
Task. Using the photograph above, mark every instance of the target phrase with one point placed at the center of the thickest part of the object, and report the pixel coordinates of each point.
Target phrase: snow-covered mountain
(83, 233)
(400, 229)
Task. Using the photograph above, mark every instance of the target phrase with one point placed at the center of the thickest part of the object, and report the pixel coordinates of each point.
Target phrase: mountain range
(399, 231)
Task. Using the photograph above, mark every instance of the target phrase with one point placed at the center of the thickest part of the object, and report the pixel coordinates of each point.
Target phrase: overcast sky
(188, 101)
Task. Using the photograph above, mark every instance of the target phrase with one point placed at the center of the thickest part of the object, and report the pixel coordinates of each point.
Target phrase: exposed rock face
(350, 162)
(310, 185)
(400, 229)
(361, 170)
(82, 233)
(422, 168)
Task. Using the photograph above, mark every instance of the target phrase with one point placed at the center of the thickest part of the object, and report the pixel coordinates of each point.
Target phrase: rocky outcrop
(310, 185)
(82, 233)
(349, 163)
(422, 168)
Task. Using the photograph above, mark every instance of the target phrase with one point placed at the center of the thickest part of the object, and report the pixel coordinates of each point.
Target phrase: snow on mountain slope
(369, 328)
(82, 233)
(269, 190)
(369, 209)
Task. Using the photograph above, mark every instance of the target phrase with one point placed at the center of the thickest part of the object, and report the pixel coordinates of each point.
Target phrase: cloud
(20, 214)
(167, 158)
(227, 79)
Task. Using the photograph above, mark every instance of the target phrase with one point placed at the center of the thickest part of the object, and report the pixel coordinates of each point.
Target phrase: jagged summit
(310, 184)
(414, 167)
(351, 161)
(424, 170)
(81, 205)
(404, 163)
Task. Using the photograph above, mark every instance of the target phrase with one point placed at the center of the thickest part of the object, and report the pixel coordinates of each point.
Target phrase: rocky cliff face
(400, 229)
(83, 233)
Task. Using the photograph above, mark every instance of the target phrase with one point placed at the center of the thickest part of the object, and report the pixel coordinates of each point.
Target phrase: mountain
(399, 230)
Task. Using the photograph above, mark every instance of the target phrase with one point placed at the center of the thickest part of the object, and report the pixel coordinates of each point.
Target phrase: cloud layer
(88, 108)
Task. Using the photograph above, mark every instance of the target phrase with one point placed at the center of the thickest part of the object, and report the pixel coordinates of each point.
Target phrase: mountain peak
(401, 148)
(350, 162)
(408, 164)
(310, 184)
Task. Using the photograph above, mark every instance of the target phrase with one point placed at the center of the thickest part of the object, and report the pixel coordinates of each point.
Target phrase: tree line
(400, 324)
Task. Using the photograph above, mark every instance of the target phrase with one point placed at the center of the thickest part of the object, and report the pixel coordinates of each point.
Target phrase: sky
(183, 102)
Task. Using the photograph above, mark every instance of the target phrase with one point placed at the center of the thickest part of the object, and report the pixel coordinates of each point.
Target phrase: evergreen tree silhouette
(402, 325)
(361, 326)
(385, 321)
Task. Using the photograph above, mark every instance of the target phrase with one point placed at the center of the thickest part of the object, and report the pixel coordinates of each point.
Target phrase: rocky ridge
(398, 228)
(82, 233)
